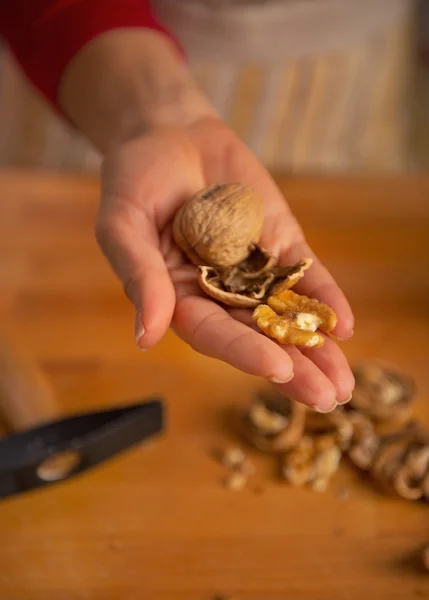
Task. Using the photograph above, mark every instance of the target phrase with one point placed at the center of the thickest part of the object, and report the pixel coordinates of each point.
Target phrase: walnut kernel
(293, 319)
(236, 481)
(233, 458)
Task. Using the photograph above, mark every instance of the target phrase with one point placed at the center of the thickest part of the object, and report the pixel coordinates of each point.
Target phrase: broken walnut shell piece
(288, 276)
(272, 423)
(383, 394)
(285, 329)
(219, 225)
(409, 478)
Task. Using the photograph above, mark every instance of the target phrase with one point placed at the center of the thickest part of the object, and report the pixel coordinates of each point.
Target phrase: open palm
(144, 183)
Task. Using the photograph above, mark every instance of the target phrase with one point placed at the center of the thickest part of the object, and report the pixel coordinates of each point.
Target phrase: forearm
(125, 83)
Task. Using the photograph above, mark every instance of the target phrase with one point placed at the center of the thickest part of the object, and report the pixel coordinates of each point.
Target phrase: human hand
(144, 181)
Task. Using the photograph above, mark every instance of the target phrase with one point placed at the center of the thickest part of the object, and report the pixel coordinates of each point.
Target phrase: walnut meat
(218, 226)
(272, 423)
(293, 319)
(312, 461)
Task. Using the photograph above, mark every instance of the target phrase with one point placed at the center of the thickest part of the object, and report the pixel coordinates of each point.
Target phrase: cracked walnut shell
(272, 423)
(398, 463)
(383, 394)
(243, 287)
(293, 319)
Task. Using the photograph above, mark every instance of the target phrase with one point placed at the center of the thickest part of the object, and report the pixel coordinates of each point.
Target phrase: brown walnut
(219, 229)
(218, 226)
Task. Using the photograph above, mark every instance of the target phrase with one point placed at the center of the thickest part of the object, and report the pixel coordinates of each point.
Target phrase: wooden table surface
(156, 523)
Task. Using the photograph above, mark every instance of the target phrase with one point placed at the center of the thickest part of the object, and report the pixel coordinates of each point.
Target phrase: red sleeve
(44, 35)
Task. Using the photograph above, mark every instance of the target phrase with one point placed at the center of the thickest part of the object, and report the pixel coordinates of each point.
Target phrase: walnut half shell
(250, 283)
(397, 463)
(384, 394)
(272, 423)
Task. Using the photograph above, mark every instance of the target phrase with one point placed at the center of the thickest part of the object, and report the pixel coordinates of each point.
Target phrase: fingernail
(345, 401)
(139, 329)
(323, 410)
(277, 380)
(344, 338)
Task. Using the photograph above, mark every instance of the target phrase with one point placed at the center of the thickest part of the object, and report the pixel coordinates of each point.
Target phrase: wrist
(127, 82)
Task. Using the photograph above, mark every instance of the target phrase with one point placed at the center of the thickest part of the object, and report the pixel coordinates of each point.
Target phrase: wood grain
(156, 523)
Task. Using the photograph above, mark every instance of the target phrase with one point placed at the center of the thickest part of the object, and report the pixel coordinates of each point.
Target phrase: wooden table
(156, 522)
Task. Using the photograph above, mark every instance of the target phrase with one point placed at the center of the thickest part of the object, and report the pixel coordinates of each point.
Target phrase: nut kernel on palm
(292, 304)
(283, 328)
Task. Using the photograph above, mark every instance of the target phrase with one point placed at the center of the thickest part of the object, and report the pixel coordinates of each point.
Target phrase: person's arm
(107, 65)
(127, 82)
(126, 86)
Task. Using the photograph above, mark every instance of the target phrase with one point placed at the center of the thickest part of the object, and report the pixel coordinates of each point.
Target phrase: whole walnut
(218, 226)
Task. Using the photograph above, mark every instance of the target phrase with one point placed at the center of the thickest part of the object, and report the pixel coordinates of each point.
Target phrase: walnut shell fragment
(383, 394)
(218, 226)
(272, 423)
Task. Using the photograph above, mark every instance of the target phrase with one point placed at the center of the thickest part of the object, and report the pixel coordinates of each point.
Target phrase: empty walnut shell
(272, 423)
(383, 394)
(218, 226)
(398, 463)
(402, 462)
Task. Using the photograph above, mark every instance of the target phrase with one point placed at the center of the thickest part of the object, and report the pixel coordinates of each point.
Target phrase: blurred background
(310, 85)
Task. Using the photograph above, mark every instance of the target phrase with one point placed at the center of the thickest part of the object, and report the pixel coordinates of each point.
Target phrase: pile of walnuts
(376, 431)
(219, 230)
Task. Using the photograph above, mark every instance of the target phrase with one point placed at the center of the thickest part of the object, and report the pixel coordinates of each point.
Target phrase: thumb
(130, 244)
